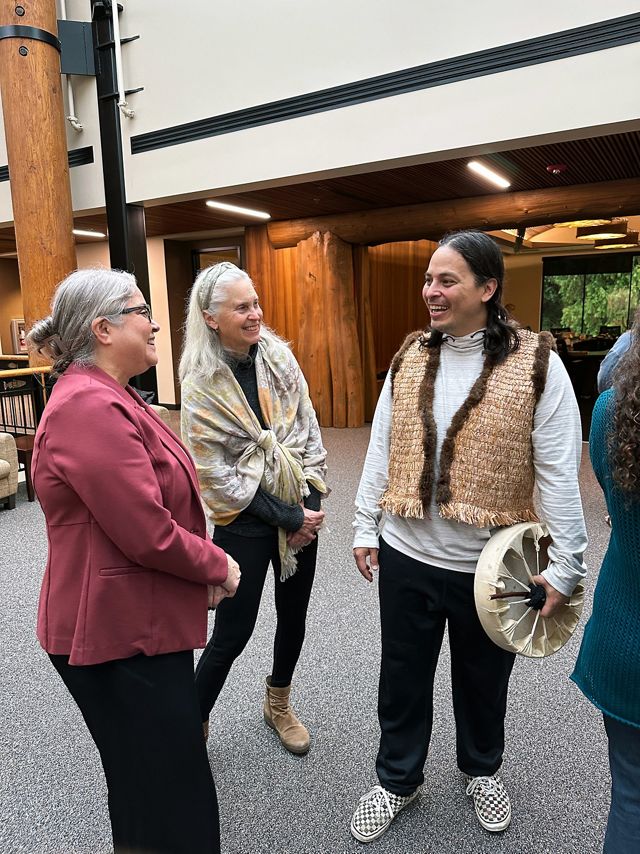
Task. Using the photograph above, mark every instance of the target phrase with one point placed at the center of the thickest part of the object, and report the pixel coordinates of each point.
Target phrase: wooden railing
(23, 395)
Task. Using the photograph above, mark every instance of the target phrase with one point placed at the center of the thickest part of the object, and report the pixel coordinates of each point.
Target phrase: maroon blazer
(129, 558)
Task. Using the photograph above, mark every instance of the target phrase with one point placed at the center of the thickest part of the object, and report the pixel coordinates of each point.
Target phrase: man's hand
(366, 561)
(555, 599)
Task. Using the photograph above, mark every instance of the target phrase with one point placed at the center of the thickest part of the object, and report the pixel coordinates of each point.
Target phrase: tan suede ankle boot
(279, 715)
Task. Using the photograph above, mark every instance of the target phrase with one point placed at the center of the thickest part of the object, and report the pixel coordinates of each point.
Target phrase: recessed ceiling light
(488, 174)
(602, 232)
(627, 242)
(222, 206)
(81, 232)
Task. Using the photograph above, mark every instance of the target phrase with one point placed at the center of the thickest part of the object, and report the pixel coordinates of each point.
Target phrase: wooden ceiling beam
(504, 210)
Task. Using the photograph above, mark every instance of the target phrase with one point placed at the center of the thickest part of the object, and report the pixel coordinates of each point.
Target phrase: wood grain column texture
(274, 275)
(30, 88)
(366, 340)
(397, 308)
(328, 344)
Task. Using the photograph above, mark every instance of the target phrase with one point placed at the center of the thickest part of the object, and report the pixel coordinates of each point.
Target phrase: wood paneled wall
(397, 308)
(345, 309)
(275, 276)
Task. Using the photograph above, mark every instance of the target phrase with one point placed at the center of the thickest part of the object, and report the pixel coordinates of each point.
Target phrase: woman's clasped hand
(228, 587)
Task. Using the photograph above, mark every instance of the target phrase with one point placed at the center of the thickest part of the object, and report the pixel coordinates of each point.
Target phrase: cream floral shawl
(234, 455)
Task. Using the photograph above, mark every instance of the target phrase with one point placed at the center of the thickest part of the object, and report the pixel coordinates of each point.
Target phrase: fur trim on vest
(486, 461)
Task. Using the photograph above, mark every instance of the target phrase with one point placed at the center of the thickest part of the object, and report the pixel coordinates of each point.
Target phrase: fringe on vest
(463, 492)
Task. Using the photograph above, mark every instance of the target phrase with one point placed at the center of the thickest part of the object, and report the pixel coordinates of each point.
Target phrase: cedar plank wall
(275, 277)
(396, 273)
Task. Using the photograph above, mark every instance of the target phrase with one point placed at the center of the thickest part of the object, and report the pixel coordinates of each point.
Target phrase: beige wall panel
(93, 255)
(160, 305)
(523, 288)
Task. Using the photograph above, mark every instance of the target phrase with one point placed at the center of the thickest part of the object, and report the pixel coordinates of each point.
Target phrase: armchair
(8, 470)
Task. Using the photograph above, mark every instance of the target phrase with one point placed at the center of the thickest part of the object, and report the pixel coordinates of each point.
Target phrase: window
(585, 293)
(203, 258)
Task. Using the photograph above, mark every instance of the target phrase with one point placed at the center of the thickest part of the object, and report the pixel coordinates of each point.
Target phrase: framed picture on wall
(18, 334)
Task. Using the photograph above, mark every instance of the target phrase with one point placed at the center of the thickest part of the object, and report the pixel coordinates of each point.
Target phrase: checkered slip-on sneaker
(375, 812)
(491, 801)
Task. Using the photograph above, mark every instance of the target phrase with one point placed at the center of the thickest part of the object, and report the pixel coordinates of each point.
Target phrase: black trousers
(143, 715)
(416, 601)
(236, 617)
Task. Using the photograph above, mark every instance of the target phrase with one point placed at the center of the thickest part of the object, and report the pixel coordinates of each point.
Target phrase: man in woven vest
(473, 414)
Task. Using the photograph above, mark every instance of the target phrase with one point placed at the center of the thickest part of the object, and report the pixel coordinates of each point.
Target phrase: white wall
(227, 56)
(87, 191)
(202, 59)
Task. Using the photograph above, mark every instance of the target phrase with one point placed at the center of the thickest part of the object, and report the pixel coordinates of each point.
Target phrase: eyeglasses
(144, 310)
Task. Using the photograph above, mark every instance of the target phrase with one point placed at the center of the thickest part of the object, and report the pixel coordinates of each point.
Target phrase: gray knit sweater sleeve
(264, 506)
(275, 512)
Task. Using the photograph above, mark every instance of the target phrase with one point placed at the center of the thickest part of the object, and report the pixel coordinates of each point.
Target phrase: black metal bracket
(109, 95)
(16, 31)
(108, 44)
(77, 48)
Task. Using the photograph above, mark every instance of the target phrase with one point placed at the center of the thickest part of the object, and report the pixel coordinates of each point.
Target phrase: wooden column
(259, 263)
(362, 282)
(275, 278)
(30, 88)
(328, 346)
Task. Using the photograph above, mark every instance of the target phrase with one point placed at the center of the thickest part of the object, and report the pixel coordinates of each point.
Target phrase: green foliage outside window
(585, 302)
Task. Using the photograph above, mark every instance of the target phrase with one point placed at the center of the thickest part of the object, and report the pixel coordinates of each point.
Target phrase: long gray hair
(202, 350)
(65, 336)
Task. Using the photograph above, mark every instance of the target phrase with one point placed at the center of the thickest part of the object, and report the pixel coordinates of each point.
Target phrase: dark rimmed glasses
(144, 310)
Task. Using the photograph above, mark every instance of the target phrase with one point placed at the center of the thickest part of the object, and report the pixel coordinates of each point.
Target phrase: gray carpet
(52, 789)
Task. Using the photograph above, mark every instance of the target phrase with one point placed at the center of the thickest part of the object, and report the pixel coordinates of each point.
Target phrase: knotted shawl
(234, 455)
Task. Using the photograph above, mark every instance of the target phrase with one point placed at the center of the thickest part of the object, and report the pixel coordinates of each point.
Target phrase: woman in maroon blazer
(130, 570)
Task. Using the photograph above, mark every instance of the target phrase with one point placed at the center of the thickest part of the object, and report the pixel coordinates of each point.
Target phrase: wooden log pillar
(275, 278)
(32, 106)
(328, 343)
(362, 282)
(260, 264)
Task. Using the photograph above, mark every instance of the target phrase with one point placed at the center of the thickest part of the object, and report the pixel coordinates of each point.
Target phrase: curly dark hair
(624, 440)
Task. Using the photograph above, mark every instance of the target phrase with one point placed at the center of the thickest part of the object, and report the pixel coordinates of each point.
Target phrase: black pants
(236, 617)
(143, 715)
(416, 600)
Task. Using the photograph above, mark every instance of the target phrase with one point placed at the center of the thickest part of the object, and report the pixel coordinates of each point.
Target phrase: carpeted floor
(52, 789)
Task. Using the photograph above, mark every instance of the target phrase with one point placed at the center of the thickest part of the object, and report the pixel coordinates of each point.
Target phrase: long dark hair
(624, 440)
(484, 258)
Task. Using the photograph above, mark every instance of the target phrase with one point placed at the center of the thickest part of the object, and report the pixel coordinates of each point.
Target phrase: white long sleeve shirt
(456, 546)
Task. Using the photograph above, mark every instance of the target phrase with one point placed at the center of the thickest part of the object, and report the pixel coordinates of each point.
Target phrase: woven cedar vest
(486, 461)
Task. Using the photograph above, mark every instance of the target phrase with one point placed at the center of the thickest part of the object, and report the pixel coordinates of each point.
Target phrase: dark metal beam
(125, 222)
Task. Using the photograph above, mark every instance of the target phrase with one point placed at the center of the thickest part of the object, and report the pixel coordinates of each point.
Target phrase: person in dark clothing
(250, 425)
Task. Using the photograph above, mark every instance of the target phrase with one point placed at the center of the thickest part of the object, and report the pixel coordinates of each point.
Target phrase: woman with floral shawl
(248, 421)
